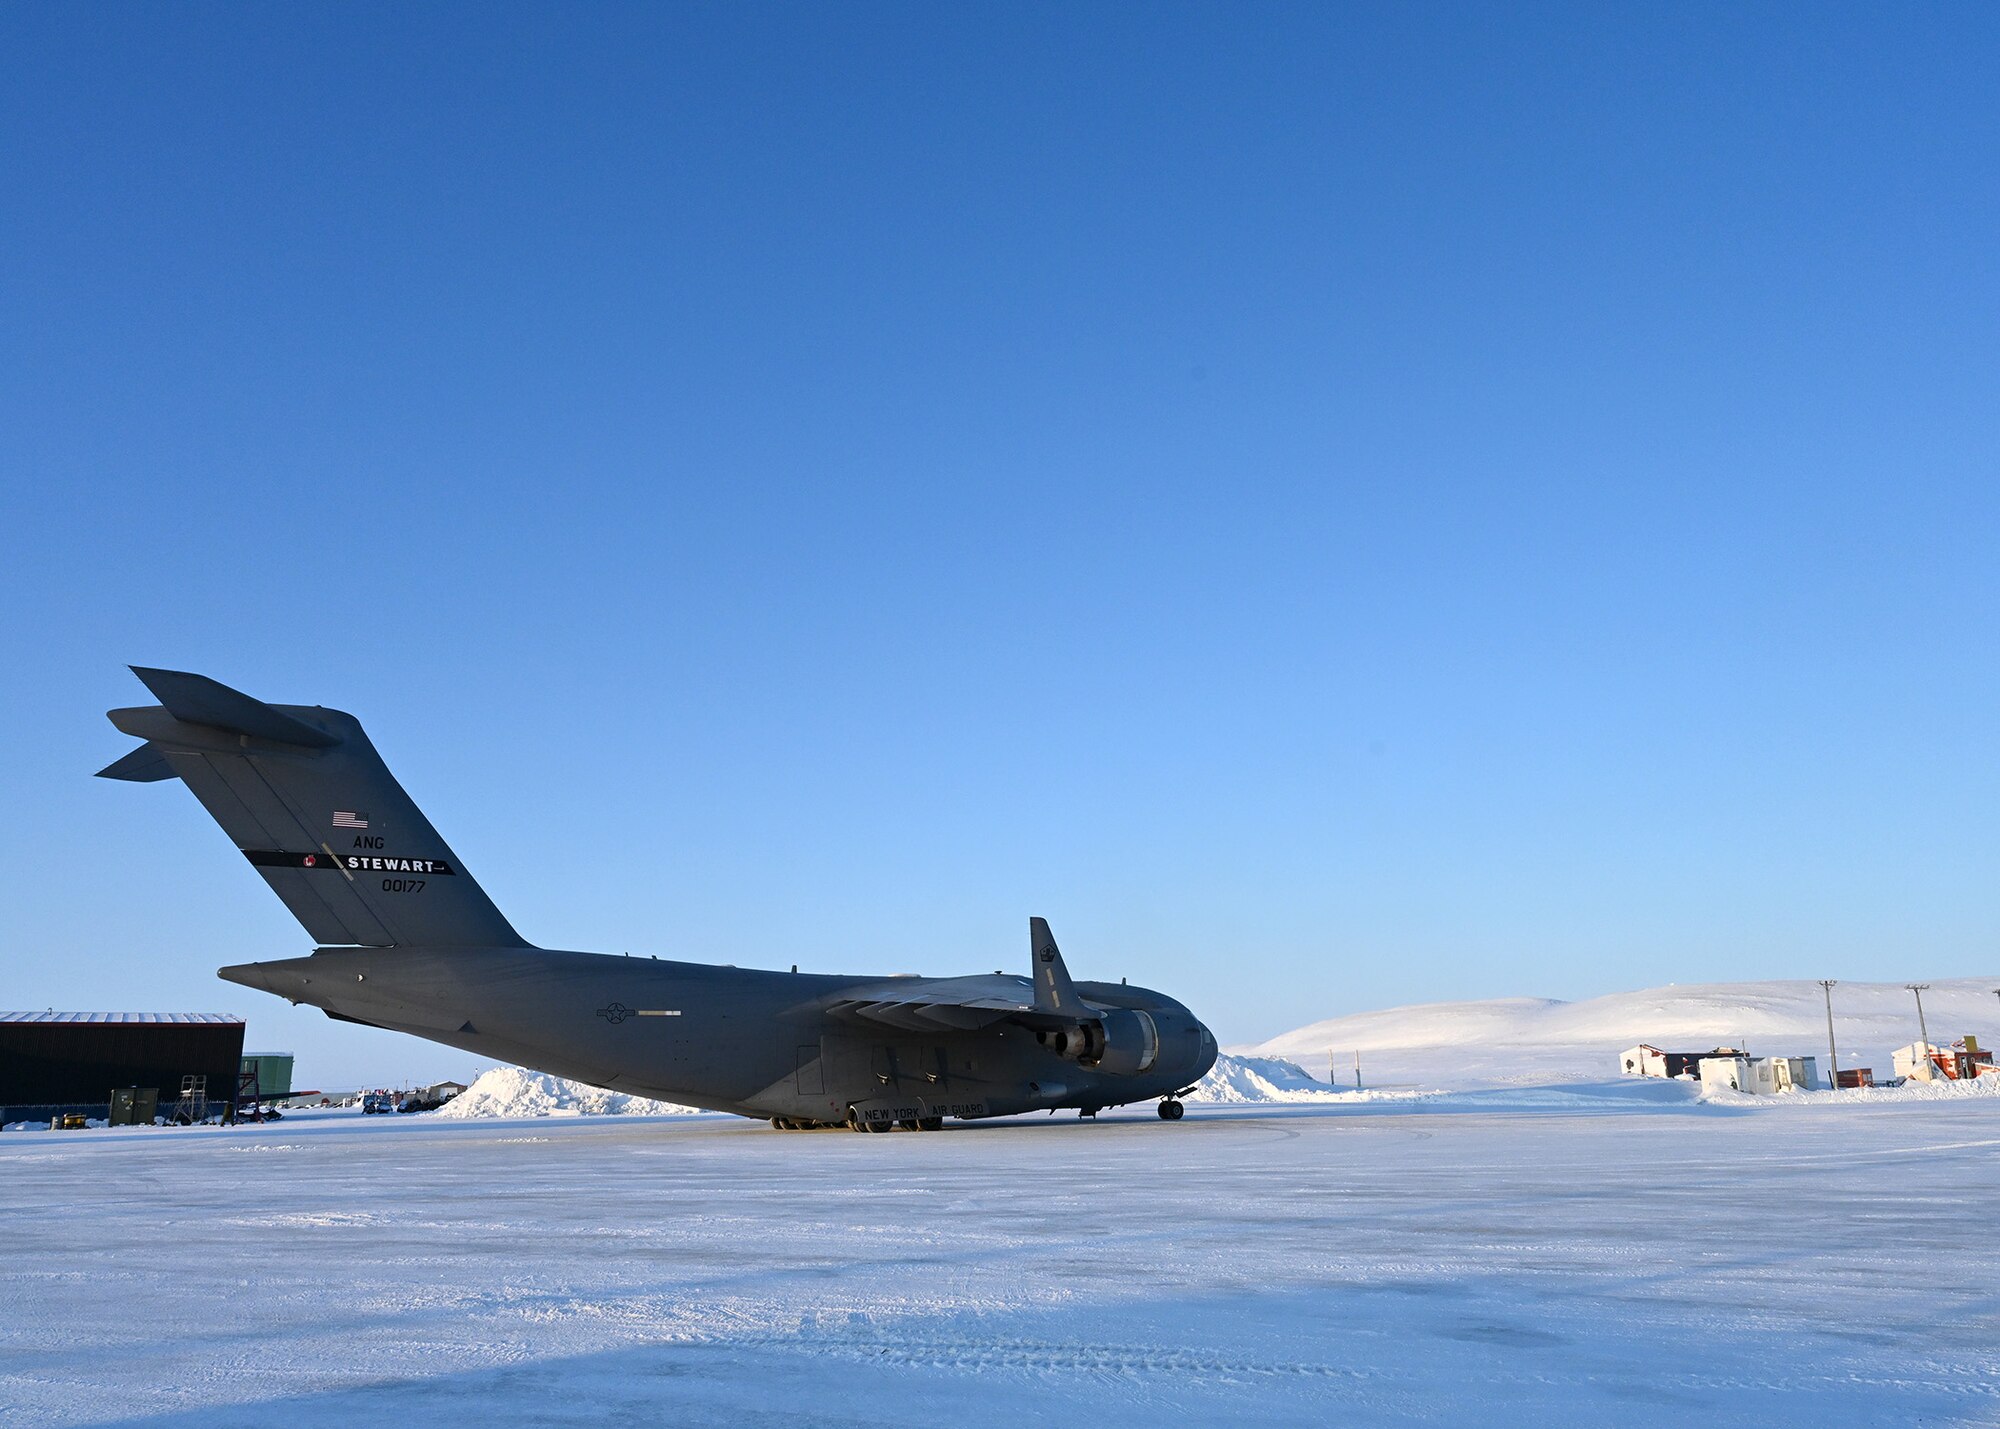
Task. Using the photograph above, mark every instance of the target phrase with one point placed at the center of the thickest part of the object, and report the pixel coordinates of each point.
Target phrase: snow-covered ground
(1575, 1255)
(1519, 1041)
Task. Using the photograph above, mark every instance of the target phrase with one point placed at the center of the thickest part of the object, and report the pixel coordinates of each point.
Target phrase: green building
(273, 1071)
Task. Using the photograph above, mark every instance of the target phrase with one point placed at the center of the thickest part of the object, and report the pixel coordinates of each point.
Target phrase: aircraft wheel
(854, 1121)
(880, 1126)
(930, 1123)
(911, 1123)
(1171, 1110)
(778, 1124)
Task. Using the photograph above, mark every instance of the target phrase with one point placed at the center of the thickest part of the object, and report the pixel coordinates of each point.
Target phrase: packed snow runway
(1589, 1255)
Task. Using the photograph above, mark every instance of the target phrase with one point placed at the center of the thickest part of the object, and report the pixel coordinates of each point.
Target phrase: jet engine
(1122, 1042)
(1081, 1043)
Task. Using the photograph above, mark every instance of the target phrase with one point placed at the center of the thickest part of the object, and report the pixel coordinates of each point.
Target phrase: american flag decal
(345, 819)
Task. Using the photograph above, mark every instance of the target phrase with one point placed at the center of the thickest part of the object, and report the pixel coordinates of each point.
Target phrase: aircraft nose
(1205, 1051)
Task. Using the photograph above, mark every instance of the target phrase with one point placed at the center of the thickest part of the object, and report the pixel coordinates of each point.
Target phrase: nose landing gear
(1171, 1110)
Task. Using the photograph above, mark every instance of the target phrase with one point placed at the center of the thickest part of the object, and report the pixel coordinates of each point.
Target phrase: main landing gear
(857, 1122)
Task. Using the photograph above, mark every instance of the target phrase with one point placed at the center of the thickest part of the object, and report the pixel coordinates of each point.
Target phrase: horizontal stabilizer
(196, 699)
(144, 765)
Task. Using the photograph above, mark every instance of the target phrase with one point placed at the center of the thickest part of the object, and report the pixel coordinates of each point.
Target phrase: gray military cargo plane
(411, 943)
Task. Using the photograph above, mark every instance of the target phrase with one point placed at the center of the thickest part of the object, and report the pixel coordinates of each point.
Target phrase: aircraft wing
(943, 1004)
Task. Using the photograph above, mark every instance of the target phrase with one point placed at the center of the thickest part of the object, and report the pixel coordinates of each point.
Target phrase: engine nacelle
(1081, 1043)
(1122, 1042)
(1131, 1042)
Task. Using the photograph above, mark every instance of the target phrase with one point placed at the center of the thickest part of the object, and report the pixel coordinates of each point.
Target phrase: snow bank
(1237, 1079)
(1526, 1041)
(1256, 1079)
(516, 1091)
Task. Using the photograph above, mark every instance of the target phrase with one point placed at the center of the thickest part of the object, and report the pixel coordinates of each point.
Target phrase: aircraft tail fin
(1054, 992)
(311, 805)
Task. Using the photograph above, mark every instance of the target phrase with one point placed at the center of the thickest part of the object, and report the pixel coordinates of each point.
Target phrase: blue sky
(1334, 507)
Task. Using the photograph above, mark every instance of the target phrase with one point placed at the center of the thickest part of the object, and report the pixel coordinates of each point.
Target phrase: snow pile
(1520, 1041)
(1236, 1079)
(1257, 1079)
(516, 1091)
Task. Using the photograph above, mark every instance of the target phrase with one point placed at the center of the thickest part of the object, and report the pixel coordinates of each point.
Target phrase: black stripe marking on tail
(356, 863)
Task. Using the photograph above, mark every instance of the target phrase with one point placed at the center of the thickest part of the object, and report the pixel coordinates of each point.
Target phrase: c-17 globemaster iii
(409, 942)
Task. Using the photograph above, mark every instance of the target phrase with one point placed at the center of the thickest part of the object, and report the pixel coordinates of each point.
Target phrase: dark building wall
(77, 1063)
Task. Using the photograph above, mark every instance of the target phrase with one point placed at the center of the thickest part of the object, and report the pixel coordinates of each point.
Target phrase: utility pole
(1832, 1056)
(1920, 988)
(1357, 1069)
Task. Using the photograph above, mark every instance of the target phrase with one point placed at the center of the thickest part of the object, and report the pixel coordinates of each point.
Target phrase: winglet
(196, 699)
(1054, 992)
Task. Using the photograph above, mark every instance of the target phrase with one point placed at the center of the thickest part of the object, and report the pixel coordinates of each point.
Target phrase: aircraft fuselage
(708, 1036)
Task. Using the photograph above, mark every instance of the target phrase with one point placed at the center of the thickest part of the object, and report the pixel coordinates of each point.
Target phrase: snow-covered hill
(1519, 1041)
